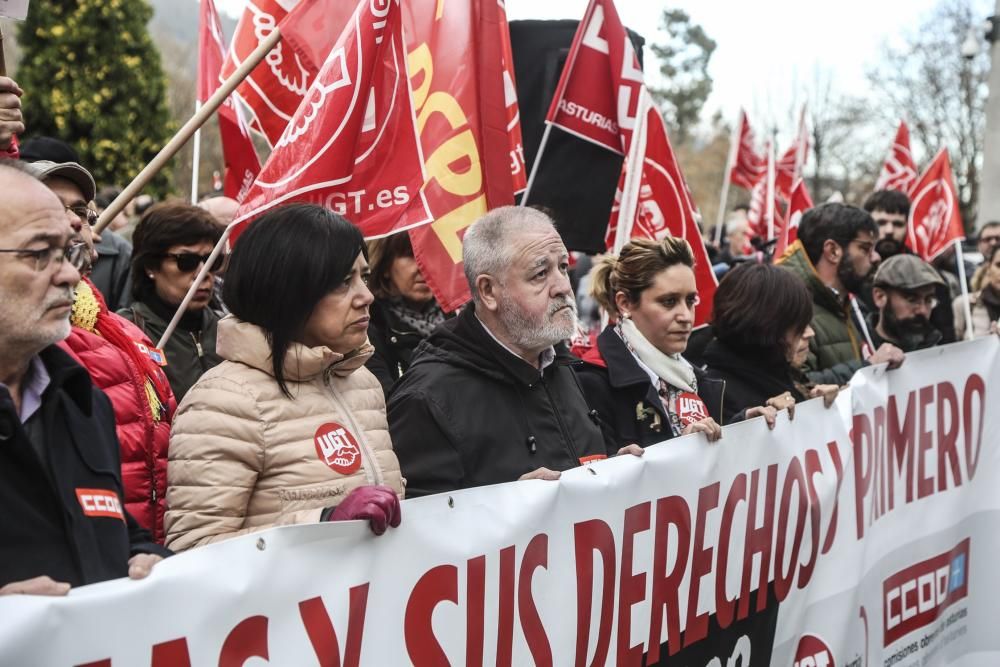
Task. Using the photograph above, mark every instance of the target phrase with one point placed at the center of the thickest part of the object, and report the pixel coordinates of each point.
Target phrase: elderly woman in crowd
(761, 325)
(290, 428)
(170, 245)
(636, 380)
(985, 303)
(404, 312)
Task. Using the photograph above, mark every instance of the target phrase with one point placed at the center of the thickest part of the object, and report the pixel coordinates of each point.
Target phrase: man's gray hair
(488, 243)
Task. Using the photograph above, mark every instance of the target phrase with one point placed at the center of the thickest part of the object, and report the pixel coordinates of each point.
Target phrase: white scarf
(672, 369)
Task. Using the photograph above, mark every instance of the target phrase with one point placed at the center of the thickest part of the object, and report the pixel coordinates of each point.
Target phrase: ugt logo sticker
(338, 448)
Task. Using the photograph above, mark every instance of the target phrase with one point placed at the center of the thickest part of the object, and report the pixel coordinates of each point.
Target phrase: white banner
(870, 527)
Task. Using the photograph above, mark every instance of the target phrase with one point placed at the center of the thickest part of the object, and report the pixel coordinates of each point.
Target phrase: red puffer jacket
(141, 397)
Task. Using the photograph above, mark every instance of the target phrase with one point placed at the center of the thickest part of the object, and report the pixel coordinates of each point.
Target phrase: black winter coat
(394, 342)
(628, 406)
(51, 523)
(750, 380)
(469, 413)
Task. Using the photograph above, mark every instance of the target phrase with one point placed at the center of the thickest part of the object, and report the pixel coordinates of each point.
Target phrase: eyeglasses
(84, 213)
(915, 300)
(77, 254)
(190, 261)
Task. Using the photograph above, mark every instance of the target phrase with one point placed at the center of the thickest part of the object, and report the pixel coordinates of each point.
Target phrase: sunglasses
(190, 261)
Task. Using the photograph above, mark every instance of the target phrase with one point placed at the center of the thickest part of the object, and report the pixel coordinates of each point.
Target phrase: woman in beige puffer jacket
(256, 444)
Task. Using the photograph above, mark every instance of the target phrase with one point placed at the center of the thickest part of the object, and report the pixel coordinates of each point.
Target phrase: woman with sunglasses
(170, 244)
(291, 427)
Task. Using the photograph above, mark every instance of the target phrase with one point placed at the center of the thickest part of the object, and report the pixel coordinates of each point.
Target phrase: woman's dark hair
(381, 254)
(162, 226)
(756, 305)
(282, 266)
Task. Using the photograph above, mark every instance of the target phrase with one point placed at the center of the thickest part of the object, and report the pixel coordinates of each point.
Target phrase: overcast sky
(768, 51)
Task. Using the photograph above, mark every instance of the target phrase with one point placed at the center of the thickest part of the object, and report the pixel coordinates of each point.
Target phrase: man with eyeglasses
(63, 522)
(905, 293)
(57, 165)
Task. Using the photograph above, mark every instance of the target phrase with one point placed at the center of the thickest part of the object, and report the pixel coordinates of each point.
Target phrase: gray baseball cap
(906, 272)
(71, 171)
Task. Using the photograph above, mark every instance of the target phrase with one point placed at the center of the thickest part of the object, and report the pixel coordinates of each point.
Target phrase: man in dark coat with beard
(490, 396)
(833, 254)
(904, 292)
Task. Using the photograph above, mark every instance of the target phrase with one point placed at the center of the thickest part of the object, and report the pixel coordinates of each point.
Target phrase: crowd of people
(313, 376)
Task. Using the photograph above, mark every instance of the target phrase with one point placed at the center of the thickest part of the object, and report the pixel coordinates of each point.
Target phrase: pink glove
(378, 504)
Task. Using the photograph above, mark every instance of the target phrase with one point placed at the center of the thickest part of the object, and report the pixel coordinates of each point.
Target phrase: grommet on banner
(261, 544)
(451, 501)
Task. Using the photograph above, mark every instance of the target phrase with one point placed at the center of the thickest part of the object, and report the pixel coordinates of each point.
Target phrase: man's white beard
(540, 333)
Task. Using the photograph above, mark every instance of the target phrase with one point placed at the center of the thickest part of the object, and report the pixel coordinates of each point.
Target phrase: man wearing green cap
(904, 293)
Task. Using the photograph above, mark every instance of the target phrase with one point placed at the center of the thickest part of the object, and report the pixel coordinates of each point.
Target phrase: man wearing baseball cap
(904, 293)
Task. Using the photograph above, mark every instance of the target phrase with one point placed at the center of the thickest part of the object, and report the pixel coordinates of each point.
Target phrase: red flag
(275, 88)
(748, 166)
(763, 220)
(798, 203)
(664, 207)
(242, 162)
(456, 72)
(935, 220)
(517, 165)
(899, 172)
(789, 166)
(352, 145)
(599, 88)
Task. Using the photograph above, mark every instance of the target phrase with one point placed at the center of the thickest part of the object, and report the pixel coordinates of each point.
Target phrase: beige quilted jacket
(244, 457)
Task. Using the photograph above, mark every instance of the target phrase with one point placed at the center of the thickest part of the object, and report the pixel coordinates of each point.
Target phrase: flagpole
(960, 259)
(185, 133)
(726, 179)
(861, 323)
(633, 176)
(195, 158)
(534, 165)
(770, 192)
(181, 309)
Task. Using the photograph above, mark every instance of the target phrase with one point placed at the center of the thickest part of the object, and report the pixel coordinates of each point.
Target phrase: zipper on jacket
(196, 337)
(373, 472)
(562, 425)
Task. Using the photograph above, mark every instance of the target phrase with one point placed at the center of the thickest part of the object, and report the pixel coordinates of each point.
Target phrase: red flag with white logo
(748, 166)
(518, 168)
(899, 172)
(798, 203)
(275, 88)
(242, 162)
(353, 144)
(935, 220)
(664, 206)
(789, 166)
(765, 221)
(598, 91)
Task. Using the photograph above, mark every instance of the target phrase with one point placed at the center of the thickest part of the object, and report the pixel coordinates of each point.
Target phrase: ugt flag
(748, 166)
(242, 162)
(662, 206)
(598, 93)
(899, 172)
(798, 203)
(352, 144)
(276, 86)
(935, 220)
